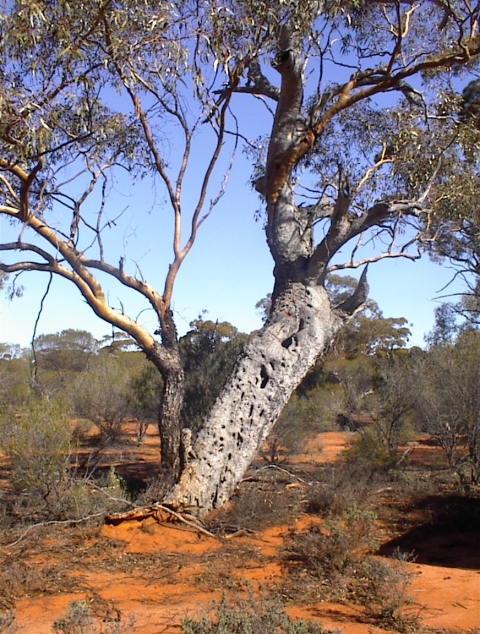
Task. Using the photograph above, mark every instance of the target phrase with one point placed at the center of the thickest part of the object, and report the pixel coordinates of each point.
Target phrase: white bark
(275, 360)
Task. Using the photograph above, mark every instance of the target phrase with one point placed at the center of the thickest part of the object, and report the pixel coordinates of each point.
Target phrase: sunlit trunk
(166, 357)
(169, 426)
(274, 362)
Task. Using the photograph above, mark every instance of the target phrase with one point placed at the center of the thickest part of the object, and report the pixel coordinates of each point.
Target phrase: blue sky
(226, 273)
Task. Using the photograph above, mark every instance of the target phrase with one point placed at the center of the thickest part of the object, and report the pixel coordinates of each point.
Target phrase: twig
(139, 512)
(275, 466)
(185, 521)
(34, 334)
(50, 523)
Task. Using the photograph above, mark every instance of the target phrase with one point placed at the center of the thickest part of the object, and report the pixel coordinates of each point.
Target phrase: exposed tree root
(160, 513)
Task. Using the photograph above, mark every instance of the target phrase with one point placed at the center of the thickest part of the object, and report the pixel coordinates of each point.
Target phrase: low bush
(384, 591)
(331, 553)
(368, 448)
(37, 440)
(7, 622)
(340, 487)
(249, 616)
(79, 620)
(308, 414)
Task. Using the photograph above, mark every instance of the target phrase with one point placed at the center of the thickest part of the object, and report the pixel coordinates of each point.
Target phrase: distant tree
(102, 394)
(117, 342)
(209, 351)
(394, 398)
(145, 391)
(446, 326)
(15, 374)
(372, 333)
(449, 402)
(66, 351)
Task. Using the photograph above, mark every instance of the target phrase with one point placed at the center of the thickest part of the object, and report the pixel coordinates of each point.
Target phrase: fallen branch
(140, 513)
(51, 523)
(274, 466)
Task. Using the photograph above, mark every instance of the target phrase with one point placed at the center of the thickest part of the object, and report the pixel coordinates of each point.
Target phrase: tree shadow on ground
(450, 538)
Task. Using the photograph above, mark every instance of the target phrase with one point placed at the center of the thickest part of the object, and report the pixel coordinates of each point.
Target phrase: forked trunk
(274, 362)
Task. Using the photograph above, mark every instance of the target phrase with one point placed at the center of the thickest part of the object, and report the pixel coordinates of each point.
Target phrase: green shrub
(79, 620)
(313, 412)
(102, 396)
(81, 428)
(37, 441)
(385, 589)
(369, 449)
(333, 552)
(249, 616)
(7, 622)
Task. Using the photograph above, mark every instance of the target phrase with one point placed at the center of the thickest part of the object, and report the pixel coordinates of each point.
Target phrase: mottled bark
(166, 358)
(169, 426)
(300, 326)
(276, 359)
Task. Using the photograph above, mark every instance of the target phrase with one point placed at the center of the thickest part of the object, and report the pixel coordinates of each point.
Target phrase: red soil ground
(159, 571)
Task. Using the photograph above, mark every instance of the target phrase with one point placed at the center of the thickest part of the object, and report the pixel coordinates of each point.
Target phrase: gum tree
(356, 92)
(92, 95)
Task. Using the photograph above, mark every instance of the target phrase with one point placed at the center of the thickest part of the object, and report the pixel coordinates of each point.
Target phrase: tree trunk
(169, 426)
(166, 358)
(299, 329)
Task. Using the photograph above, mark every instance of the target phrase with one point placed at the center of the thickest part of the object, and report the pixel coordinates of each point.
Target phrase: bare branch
(34, 334)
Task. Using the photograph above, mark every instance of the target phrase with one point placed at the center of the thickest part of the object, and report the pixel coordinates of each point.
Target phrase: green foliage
(367, 448)
(208, 352)
(386, 388)
(312, 412)
(357, 378)
(69, 350)
(37, 440)
(449, 404)
(332, 552)
(340, 287)
(102, 395)
(145, 393)
(249, 616)
(394, 398)
(15, 378)
(79, 620)
(445, 328)
(385, 590)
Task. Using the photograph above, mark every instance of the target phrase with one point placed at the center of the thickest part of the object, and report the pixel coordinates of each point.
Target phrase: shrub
(37, 441)
(102, 396)
(79, 620)
(385, 590)
(7, 622)
(303, 415)
(340, 487)
(333, 553)
(368, 448)
(249, 616)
